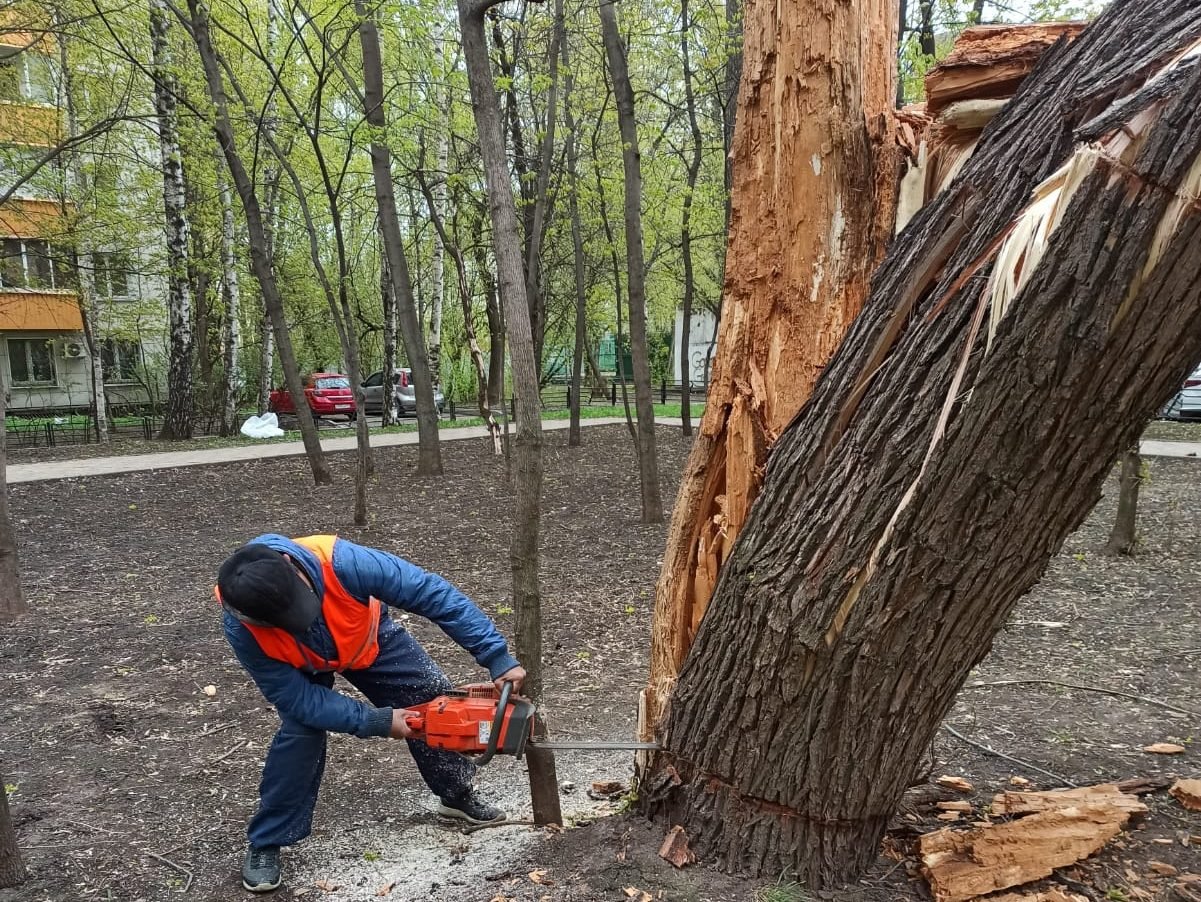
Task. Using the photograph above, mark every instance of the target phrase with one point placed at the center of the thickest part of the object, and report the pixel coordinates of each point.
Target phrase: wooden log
(963, 864)
(1016, 803)
(1187, 793)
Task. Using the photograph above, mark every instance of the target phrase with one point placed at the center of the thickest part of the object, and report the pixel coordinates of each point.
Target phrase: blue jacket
(363, 572)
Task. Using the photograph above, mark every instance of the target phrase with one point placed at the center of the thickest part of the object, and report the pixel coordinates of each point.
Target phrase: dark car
(406, 400)
(328, 394)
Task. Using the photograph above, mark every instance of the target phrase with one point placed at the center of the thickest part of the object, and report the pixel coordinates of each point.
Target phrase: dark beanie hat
(262, 584)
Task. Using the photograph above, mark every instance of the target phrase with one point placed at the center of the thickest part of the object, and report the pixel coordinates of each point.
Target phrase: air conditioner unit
(73, 350)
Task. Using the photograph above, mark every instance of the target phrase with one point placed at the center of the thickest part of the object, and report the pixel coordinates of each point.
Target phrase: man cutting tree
(297, 611)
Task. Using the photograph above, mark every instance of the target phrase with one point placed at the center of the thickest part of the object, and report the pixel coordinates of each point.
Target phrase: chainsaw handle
(497, 722)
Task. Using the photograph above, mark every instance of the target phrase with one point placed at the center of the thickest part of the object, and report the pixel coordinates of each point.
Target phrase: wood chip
(326, 886)
(954, 806)
(675, 848)
(632, 892)
(1187, 793)
(1104, 794)
(1164, 748)
(957, 783)
(1163, 869)
(1018, 781)
(386, 889)
(963, 864)
(539, 876)
(608, 787)
(949, 816)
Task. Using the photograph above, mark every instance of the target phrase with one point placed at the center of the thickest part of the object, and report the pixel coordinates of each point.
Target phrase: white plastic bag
(265, 426)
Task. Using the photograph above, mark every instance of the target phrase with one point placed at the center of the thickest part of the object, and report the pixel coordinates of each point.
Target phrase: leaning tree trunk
(812, 214)
(260, 260)
(429, 452)
(231, 332)
(955, 440)
(523, 547)
(179, 415)
(648, 465)
(1123, 538)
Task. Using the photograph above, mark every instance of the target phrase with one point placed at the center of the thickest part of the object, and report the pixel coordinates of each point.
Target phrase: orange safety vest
(353, 625)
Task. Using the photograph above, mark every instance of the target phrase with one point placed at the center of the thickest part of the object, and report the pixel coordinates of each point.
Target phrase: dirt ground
(128, 782)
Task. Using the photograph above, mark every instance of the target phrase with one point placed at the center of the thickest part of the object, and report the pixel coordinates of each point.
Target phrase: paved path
(129, 463)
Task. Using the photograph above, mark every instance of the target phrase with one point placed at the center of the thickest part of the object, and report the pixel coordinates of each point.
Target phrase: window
(27, 76)
(330, 382)
(120, 360)
(34, 263)
(31, 361)
(112, 275)
(374, 379)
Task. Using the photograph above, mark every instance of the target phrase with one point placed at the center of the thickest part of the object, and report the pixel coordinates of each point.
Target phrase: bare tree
(527, 455)
(179, 415)
(648, 465)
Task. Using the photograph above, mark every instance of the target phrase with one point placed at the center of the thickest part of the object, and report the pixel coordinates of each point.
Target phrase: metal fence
(50, 434)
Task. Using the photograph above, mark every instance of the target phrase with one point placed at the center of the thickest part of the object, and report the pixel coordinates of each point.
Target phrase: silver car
(1185, 405)
(406, 400)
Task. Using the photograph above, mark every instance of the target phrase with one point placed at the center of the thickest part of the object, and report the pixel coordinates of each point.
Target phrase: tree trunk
(577, 247)
(926, 30)
(733, 77)
(538, 222)
(437, 265)
(12, 868)
(271, 176)
(957, 437)
(496, 336)
(1123, 539)
(260, 261)
(12, 599)
(694, 168)
(523, 548)
(179, 415)
(429, 452)
(266, 360)
(648, 465)
(977, 14)
(85, 270)
(231, 333)
(802, 249)
(389, 414)
(598, 378)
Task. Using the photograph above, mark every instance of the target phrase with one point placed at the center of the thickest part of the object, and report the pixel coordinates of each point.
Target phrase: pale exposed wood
(1051, 895)
(811, 212)
(1013, 803)
(1187, 793)
(962, 865)
(675, 848)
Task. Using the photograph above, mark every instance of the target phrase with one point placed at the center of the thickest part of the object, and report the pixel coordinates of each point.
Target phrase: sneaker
(260, 871)
(471, 808)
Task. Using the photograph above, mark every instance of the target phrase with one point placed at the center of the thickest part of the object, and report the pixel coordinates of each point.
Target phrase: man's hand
(516, 676)
(400, 727)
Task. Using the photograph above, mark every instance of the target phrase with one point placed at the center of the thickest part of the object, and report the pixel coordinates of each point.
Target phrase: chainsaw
(480, 722)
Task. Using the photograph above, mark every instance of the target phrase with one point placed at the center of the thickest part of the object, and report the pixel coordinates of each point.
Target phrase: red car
(328, 395)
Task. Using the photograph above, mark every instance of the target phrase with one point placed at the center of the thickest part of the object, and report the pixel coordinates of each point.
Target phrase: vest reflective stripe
(353, 625)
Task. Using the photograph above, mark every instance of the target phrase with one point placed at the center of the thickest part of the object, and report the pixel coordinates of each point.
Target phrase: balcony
(31, 124)
(39, 311)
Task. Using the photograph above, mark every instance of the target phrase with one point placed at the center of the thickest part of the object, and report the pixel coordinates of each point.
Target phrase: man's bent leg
(402, 676)
(289, 786)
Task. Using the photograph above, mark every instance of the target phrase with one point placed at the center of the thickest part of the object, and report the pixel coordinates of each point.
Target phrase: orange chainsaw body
(464, 719)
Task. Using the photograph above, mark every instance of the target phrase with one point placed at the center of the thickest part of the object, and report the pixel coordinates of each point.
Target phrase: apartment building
(44, 358)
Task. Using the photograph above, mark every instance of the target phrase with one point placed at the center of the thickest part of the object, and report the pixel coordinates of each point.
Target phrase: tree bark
(231, 332)
(389, 413)
(977, 14)
(437, 264)
(926, 29)
(12, 868)
(12, 598)
(179, 416)
(810, 223)
(1123, 538)
(733, 77)
(429, 451)
(527, 454)
(260, 261)
(694, 168)
(271, 176)
(577, 247)
(648, 465)
(957, 437)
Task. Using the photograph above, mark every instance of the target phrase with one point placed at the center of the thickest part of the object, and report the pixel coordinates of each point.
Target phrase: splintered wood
(1187, 793)
(964, 93)
(675, 848)
(1055, 829)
